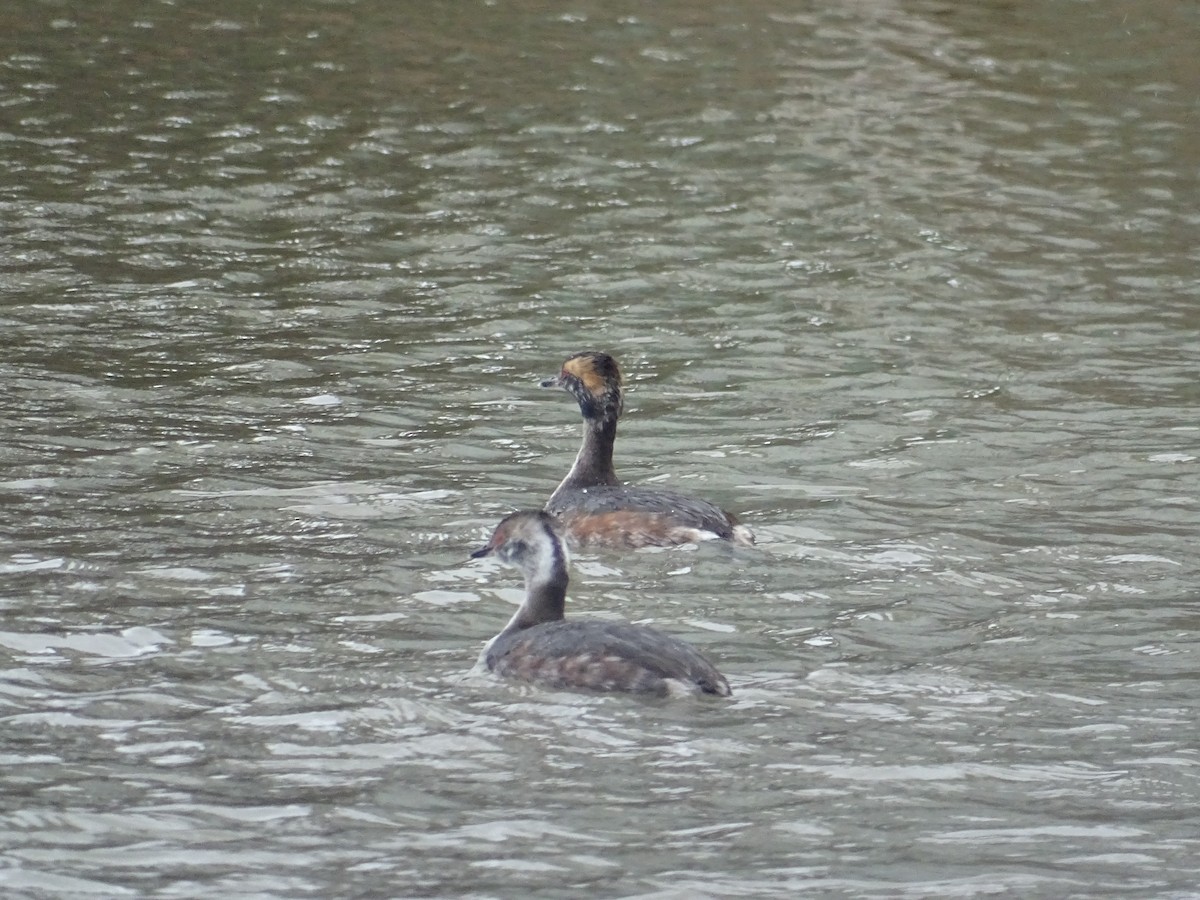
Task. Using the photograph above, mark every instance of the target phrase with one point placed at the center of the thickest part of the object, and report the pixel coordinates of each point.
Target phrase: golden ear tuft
(584, 368)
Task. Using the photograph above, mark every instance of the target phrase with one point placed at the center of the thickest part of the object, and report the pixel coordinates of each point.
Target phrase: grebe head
(529, 541)
(595, 381)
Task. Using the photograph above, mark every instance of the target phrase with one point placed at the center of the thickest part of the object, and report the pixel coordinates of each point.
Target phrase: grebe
(539, 645)
(592, 504)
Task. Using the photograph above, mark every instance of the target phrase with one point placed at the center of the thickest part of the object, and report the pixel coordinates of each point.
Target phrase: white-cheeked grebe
(592, 504)
(539, 645)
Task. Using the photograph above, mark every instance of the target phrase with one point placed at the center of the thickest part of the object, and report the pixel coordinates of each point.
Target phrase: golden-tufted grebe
(592, 504)
(539, 645)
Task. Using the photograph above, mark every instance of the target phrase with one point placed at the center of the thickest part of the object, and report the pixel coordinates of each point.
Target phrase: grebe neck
(593, 464)
(545, 589)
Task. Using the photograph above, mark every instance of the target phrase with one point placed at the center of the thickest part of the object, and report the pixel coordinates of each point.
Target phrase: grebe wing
(683, 509)
(619, 651)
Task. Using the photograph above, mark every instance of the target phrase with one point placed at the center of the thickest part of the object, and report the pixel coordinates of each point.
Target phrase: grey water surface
(912, 287)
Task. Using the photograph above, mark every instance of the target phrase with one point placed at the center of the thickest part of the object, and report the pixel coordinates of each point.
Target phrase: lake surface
(909, 286)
